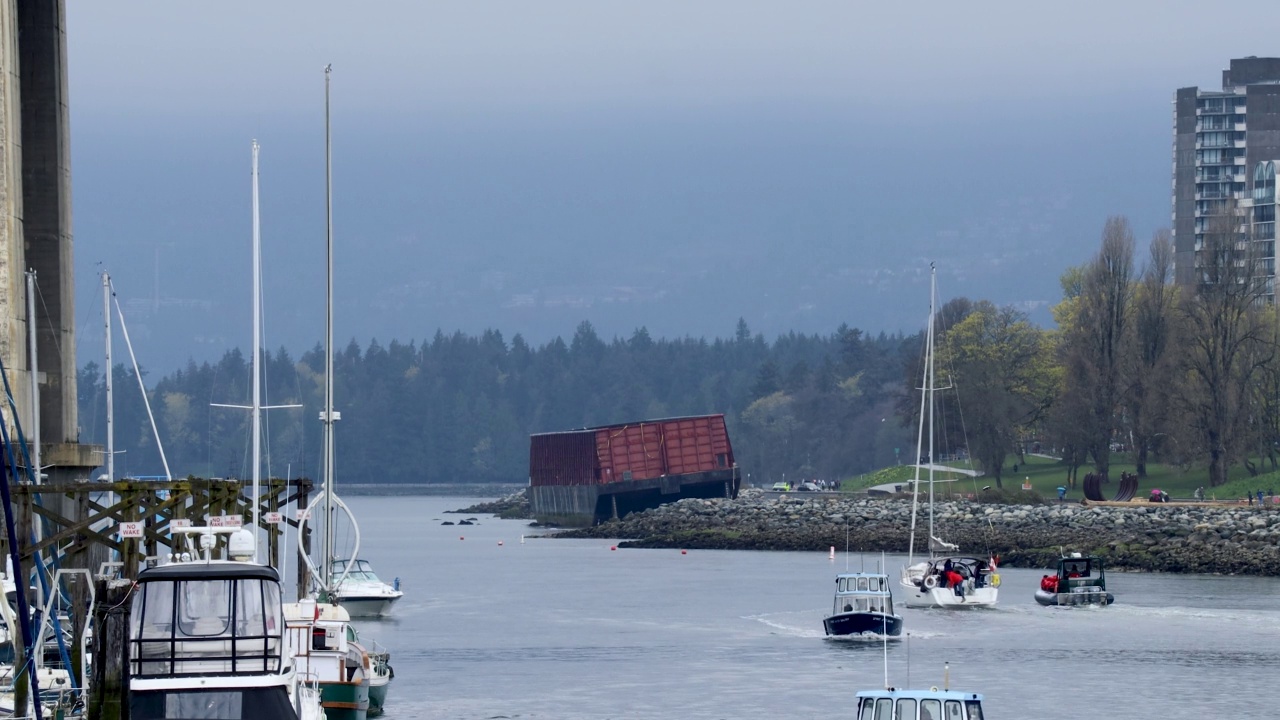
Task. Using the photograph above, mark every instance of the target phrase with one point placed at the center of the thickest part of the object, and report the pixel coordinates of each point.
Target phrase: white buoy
(521, 539)
(831, 554)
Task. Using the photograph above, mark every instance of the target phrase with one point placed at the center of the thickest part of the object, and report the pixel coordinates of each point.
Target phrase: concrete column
(13, 342)
(46, 202)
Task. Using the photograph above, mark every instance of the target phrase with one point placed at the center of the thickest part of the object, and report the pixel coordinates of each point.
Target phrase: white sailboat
(353, 679)
(947, 579)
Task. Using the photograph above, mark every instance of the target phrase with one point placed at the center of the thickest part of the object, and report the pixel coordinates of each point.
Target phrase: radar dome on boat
(241, 545)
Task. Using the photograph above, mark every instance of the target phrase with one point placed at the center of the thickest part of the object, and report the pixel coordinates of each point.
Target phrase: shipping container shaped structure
(593, 474)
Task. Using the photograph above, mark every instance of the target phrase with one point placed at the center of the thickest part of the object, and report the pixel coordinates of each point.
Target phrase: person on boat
(848, 607)
(955, 581)
(1049, 583)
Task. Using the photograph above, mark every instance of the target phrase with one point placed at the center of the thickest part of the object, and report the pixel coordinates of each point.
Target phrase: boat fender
(995, 580)
(930, 582)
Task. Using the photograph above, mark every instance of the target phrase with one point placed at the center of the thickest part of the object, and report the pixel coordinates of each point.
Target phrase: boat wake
(792, 630)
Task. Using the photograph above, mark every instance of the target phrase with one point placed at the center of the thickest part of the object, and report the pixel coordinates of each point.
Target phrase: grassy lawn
(1045, 475)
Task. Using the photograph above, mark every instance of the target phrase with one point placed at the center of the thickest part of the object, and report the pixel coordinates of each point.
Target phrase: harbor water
(492, 627)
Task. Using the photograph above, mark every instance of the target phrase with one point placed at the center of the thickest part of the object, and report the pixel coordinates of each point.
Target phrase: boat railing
(176, 656)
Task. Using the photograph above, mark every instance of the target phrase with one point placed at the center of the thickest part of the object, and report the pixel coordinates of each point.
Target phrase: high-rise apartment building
(1220, 138)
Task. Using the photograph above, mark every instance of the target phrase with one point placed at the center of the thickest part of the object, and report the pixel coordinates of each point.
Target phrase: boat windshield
(863, 603)
(197, 626)
(361, 571)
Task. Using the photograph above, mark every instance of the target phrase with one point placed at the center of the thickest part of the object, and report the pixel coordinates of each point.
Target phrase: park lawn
(1047, 474)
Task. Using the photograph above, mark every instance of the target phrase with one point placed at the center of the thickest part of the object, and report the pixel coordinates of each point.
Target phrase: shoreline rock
(1142, 537)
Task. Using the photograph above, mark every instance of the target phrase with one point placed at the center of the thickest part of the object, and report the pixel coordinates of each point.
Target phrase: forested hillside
(460, 408)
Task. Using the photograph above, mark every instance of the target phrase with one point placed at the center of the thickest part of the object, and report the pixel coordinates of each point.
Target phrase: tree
(1001, 372)
(1150, 363)
(1225, 339)
(1094, 342)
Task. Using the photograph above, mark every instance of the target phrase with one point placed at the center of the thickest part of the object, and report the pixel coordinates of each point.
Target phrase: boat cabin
(1081, 574)
(207, 618)
(930, 704)
(862, 592)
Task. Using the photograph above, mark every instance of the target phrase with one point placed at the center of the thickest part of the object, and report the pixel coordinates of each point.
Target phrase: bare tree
(1094, 343)
(1226, 342)
(1150, 365)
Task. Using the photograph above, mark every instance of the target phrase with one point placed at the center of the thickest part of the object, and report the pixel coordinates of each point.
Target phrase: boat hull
(345, 700)
(940, 597)
(368, 607)
(377, 697)
(1048, 599)
(861, 623)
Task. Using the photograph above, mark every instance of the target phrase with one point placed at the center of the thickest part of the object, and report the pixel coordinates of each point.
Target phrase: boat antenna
(946, 676)
(884, 645)
(326, 562)
(908, 659)
(846, 546)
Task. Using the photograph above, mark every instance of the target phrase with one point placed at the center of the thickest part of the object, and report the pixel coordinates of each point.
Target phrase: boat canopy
(862, 583)
(187, 621)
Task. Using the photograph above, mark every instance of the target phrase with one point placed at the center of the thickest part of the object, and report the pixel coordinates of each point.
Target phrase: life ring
(930, 582)
(995, 580)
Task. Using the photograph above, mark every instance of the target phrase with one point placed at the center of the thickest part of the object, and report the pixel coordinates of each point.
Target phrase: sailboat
(353, 679)
(947, 579)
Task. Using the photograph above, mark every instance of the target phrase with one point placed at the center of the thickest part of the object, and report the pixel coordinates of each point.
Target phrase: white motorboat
(208, 638)
(362, 592)
(946, 579)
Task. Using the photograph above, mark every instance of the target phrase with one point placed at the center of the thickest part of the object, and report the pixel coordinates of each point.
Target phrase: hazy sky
(525, 166)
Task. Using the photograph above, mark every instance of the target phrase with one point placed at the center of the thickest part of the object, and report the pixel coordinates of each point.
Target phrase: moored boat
(863, 605)
(361, 591)
(1080, 580)
(326, 653)
(208, 639)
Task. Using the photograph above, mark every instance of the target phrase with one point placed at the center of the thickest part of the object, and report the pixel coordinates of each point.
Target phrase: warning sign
(273, 518)
(130, 529)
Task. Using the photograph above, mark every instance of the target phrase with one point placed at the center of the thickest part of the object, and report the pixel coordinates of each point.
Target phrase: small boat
(931, 704)
(361, 591)
(863, 605)
(1080, 581)
(208, 639)
(326, 653)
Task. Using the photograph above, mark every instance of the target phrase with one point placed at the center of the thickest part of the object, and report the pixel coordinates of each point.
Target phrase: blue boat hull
(859, 623)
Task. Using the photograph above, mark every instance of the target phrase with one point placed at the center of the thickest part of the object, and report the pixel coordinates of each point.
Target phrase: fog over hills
(768, 170)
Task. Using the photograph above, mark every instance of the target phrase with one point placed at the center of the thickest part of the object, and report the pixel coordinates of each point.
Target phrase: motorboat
(863, 605)
(946, 579)
(931, 704)
(340, 666)
(208, 638)
(1080, 580)
(362, 592)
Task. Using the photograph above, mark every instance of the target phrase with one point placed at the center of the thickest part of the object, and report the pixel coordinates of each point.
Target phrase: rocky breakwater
(1140, 536)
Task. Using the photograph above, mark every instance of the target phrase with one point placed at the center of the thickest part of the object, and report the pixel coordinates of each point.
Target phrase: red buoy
(462, 538)
(612, 548)
(684, 552)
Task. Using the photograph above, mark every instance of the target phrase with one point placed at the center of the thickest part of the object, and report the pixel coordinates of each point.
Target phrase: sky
(673, 165)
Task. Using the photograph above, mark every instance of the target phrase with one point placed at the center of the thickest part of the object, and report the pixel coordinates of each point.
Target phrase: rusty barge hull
(587, 476)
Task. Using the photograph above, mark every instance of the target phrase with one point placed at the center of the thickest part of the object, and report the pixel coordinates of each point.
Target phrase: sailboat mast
(933, 304)
(111, 429)
(924, 394)
(35, 380)
(327, 562)
(257, 353)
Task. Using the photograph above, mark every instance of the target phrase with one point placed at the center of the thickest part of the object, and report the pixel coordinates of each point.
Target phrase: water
(567, 629)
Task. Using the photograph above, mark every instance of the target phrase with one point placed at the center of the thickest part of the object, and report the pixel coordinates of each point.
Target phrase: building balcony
(1238, 144)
